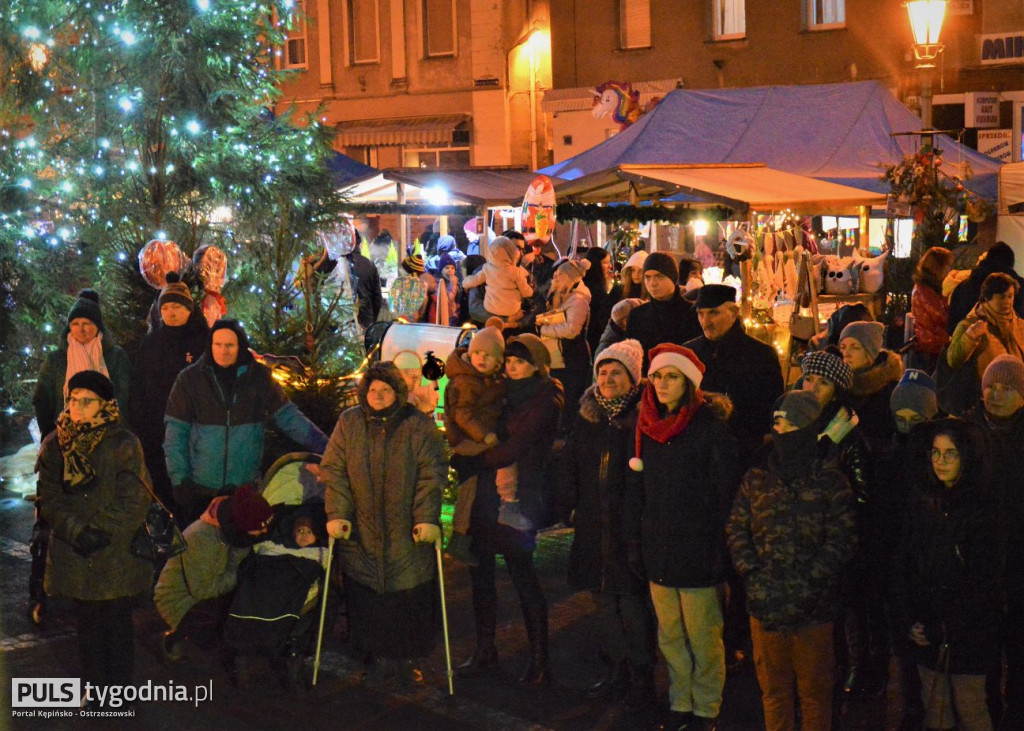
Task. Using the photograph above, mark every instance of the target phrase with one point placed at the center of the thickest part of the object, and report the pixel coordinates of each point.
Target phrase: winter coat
(116, 502)
(678, 509)
(48, 398)
(206, 570)
(526, 432)
(789, 542)
(931, 316)
(965, 296)
(962, 347)
(612, 334)
(472, 402)
(218, 444)
(946, 572)
(841, 441)
(385, 473)
(507, 283)
(869, 396)
(748, 372)
(663, 321)
(601, 304)
(572, 334)
(366, 283)
(163, 354)
(593, 482)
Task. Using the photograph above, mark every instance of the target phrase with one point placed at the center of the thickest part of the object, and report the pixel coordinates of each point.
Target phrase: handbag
(957, 389)
(158, 538)
(554, 346)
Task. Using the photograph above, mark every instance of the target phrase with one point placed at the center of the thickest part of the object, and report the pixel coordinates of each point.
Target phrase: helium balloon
(157, 258)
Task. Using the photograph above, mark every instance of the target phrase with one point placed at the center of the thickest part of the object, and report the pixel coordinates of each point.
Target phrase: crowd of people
(814, 533)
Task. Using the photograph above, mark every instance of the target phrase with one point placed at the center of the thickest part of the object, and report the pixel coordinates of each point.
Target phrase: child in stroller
(275, 609)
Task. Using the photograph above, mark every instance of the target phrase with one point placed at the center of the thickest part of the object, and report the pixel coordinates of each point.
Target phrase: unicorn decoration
(621, 101)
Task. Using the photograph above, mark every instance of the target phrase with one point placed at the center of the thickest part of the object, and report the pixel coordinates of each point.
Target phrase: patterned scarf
(78, 439)
(613, 407)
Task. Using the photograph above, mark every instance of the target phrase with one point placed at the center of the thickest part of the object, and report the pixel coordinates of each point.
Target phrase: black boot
(484, 660)
(614, 681)
(485, 656)
(538, 672)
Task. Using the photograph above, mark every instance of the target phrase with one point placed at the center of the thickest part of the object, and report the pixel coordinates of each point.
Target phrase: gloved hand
(91, 540)
(635, 560)
(339, 528)
(426, 533)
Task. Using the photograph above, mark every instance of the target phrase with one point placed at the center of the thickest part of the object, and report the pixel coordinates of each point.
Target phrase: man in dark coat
(999, 258)
(667, 318)
(366, 284)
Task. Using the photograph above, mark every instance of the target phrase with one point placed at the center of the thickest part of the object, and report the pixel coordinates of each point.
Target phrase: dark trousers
(627, 628)
(106, 641)
(156, 463)
(485, 593)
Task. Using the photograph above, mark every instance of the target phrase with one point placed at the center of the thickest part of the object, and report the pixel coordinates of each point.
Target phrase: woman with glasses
(94, 493)
(945, 583)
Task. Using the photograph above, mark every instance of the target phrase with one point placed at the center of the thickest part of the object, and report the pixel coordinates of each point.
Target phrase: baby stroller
(275, 608)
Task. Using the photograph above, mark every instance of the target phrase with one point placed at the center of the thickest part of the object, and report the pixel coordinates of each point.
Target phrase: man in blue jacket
(214, 421)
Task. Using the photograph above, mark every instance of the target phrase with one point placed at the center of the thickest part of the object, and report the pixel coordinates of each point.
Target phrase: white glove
(339, 528)
(426, 533)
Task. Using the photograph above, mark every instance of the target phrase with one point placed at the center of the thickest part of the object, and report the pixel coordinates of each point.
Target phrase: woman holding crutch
(384, 468)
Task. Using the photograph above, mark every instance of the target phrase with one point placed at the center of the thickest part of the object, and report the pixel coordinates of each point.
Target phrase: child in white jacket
(507, 282)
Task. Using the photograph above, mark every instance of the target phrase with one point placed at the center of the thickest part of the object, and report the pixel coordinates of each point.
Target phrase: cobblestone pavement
(340, 700)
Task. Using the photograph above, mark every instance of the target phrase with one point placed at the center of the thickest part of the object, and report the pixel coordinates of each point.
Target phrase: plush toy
(838, 275)
(872, 273)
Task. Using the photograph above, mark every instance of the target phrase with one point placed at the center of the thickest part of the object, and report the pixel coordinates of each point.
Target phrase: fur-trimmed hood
(389, 374)
(719, 404)
(887, 368)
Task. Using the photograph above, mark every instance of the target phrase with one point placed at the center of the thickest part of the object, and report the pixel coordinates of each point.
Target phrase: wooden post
(403, 223)
(865, 216)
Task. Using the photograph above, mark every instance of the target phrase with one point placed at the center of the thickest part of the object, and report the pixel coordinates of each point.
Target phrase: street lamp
(926, 18)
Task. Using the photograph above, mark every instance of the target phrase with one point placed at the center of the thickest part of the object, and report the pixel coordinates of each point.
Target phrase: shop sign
(1002, 48)
(981, 109)
(996, 143)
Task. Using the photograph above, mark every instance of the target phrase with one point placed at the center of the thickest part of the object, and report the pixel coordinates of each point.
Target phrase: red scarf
(662, 429)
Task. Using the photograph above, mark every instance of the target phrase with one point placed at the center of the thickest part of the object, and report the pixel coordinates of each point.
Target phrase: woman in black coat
(177, 342)
(946, 577)
(604, 293)
(594, 483)
(526, 431)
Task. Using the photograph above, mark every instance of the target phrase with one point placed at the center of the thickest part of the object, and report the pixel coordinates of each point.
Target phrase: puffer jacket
(48, 398)
(680, 506)
(384, 473)
(841, 441)
(789, 542)
(593, 479)
(206, 570)
(507, 283)
(472, 402)
(572, 334)
(217, 443)
(116, 502)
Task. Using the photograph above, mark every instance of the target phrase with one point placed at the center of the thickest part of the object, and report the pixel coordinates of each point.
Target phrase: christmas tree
(122, 122)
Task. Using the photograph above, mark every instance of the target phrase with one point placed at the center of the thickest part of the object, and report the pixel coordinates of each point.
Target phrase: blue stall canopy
(840, 133)
(346, 171)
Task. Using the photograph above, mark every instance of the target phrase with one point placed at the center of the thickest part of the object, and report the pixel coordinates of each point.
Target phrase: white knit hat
(637, 259)
(630, 353)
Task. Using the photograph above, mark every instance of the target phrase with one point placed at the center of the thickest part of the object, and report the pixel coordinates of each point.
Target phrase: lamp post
(926, 18)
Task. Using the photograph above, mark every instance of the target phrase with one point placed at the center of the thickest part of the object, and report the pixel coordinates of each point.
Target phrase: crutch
(444, 616)
(323, 609)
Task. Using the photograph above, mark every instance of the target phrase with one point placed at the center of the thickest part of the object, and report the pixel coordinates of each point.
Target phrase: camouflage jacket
(789, 542)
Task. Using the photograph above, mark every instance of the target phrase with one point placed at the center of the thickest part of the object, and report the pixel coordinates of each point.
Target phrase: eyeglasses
(84, 402)
(947, 457)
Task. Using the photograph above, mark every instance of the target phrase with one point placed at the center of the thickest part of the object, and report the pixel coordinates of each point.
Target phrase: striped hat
(413, 264)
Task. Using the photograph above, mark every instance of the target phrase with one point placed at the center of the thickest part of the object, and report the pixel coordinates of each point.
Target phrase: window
(729, 19)
(634, 24)
(363, 31)
(436, 157)
(438, 28)
(825, 13)
(295, 44)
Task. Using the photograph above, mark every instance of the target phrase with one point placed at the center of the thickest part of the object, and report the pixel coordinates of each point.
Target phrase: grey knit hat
(916, 391)
(1005, 370)
(799, 408)
(868, 334)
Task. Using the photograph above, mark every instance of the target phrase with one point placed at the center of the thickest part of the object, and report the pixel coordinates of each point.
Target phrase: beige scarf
(88, 357)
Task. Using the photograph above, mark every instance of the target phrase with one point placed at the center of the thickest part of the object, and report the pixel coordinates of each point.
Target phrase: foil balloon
(538, 215)
(157, 258)
(211, 266)
(339, 241)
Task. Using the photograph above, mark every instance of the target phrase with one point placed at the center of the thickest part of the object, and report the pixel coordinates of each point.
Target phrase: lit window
(729, 19)
(825, 13)
(439, 35)
(363, 31)
(295, 44)
(634, 23)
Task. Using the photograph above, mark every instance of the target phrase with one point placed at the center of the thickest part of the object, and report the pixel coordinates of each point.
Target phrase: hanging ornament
(157, 258)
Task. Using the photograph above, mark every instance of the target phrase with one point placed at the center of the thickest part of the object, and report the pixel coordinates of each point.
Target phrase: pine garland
(590, 212)
(409, 209)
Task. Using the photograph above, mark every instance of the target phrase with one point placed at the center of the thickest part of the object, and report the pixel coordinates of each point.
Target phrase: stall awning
(491, 186)
(739, 186)
(399, 131)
